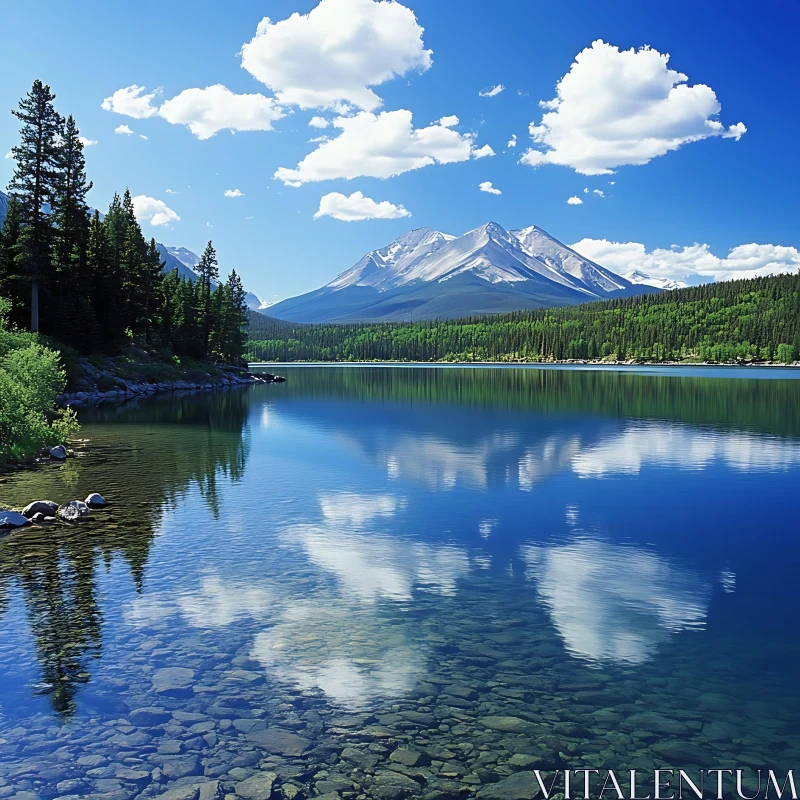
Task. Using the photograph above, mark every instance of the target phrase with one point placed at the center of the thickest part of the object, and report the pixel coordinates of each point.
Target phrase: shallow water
(498, 569)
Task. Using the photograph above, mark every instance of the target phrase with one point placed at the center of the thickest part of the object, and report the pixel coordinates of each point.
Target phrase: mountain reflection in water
(542, 543)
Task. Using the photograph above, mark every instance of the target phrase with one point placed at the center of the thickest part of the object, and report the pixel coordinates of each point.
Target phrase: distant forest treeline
(756, 319)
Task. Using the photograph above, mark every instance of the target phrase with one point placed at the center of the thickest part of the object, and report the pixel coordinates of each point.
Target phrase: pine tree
(70, 210)
(236, 320)
(34, 184)
(207, 273)
(150, 300)
(11, 286)
(74, 320)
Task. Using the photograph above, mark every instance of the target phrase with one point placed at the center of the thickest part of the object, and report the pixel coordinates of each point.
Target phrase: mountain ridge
(428, 274)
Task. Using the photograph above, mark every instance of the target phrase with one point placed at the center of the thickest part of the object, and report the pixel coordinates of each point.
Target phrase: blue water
(374, 558)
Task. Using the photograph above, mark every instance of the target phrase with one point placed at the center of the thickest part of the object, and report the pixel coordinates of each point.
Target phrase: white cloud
(598, 192)
(170, 191)
(87, 142)
(142, 136)
(357, 207)
(622, 107)
(215, 108)
(680, 263)
(132, 102)
(449, 122)
(380, 146)
(492, 92)
(318, 122)
(483, 152)
(586, 190)
(123, 130)
(333, 54)
(318, 139)
(9, 154)
(574, 201)
(156, 212)
(512, 142)
(486, 186)
(233, 193)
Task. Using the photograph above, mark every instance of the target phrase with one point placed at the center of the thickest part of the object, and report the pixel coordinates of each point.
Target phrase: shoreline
(84, 399)
(568, 363)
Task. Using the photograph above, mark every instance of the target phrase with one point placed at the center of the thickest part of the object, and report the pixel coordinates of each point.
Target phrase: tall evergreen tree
(207, 273)
(237, 320)
(10, 284)
(70, 210)
(34, 183)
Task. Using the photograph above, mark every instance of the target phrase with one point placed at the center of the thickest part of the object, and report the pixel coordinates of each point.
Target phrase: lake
(389, 582)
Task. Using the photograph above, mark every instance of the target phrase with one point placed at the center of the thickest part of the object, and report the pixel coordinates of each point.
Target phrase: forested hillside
(745, 320)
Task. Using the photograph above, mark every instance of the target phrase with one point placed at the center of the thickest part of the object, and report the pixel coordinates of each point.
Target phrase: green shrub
(31, 377)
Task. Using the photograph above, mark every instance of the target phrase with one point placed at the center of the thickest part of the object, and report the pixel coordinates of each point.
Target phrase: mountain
(642, 279)
(427, 274)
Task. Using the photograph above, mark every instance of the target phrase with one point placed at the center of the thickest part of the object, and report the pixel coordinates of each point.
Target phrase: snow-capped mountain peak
(566, 261)
(643, 279)
(382, 269)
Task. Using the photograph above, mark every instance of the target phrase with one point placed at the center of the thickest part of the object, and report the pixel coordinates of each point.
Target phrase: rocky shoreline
(115, 382)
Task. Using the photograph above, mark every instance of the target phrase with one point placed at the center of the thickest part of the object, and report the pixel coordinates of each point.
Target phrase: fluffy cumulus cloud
(381, 146)
(358, 207)
(333, 54)
(87, 142)
(574, 201)
(132, 102)
(156, 212)
(233, 193)
(622, 107)
(216, 108)
(318, 122)
(123, 130)
(487, 187)
(482, 152)
(492, 91)
(512, 142)
(697, 260)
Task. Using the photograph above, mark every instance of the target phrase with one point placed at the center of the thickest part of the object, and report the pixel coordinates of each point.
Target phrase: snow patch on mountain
(643, 279)
(566, 261)
(384, 269)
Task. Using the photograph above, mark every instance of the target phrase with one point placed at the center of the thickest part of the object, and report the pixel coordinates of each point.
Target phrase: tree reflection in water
(143, 460)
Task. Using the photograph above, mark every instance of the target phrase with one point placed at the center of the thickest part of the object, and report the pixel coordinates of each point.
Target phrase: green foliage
(732, 322)
(31, 377)
(101, 281)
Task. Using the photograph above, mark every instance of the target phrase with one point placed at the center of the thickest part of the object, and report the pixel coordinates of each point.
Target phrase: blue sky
(719, 191)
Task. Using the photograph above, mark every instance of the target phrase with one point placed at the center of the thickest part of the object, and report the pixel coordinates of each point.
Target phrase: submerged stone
(280, 741)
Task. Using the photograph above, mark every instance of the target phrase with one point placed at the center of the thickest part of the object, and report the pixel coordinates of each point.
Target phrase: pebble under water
(393, 582)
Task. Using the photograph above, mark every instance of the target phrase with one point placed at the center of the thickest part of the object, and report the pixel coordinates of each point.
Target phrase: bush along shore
(104, 379)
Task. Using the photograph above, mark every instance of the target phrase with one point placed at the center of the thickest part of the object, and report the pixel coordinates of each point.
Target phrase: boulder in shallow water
(95, 500)
(59, 452)
(43, 519)
(45, 507)
(12, 519)
(74, 510)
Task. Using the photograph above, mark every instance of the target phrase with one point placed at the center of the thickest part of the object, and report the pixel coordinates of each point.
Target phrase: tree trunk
(34, 307)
